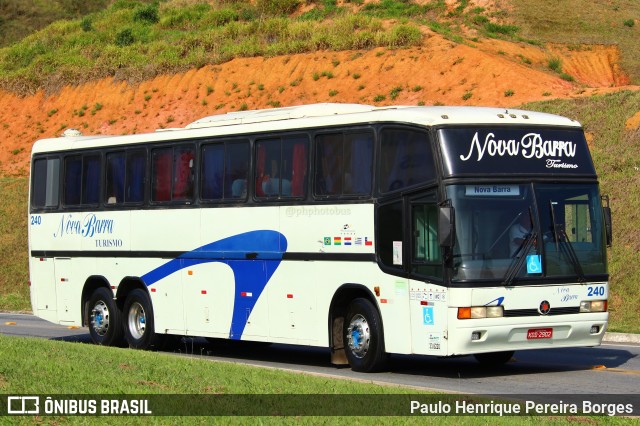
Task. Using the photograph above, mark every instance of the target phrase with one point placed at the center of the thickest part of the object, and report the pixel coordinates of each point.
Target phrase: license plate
(539, 333)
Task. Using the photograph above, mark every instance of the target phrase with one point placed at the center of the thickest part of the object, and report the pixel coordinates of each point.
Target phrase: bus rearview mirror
(446, 227)
(607, 225)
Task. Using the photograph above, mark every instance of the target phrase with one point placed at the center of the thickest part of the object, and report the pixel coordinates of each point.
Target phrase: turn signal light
(477, 312)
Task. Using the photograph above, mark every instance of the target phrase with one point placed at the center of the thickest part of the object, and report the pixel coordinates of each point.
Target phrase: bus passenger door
(427, 295)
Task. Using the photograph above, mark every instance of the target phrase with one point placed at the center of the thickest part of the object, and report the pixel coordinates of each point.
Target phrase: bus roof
(309, 116)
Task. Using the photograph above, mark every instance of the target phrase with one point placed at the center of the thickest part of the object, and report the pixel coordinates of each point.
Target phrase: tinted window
(82, 179)
(125, 177)
(172, 174)
(45, 182)
(225, 167)
(91, 174)
(343, 164)
(72, 180)
(281, 167)
(405, 159)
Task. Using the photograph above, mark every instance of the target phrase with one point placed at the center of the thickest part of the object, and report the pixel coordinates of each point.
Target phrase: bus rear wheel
(364, 345)
(138, 321)
(105, 325)
(494, 359)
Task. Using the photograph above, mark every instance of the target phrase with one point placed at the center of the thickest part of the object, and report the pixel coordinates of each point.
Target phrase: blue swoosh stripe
(265, 249)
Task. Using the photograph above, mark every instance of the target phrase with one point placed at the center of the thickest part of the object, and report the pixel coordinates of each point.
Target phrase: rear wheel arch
(342, 299)
(126, 286)
(92, 283)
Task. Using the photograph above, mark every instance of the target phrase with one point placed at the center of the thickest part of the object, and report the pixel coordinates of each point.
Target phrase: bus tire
(363, 341)
(105, 324)
(138, 322)
(494, 359)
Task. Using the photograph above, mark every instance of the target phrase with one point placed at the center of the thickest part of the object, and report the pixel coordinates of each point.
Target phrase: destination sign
(515, 150)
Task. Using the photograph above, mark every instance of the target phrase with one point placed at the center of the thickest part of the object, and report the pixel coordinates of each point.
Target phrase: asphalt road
(608, 369)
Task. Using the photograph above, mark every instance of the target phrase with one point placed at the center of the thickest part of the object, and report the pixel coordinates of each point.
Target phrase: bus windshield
(520, 233)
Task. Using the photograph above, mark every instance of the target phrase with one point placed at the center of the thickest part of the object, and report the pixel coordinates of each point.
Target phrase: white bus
(408, 230)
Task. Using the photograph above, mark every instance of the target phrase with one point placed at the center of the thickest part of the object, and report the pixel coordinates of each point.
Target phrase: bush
(86, 24)
(148, 14)
(555, 64)
(277, 7)
(494, 28)
(404, 36)
(124, 38)
(629, 23)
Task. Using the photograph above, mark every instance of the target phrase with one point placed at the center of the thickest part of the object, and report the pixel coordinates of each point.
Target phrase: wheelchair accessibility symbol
(534, 264)
(427, 315)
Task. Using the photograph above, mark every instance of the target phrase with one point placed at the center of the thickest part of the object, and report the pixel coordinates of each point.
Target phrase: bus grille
(534, 312)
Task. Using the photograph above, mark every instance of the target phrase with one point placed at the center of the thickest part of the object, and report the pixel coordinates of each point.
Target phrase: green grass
(616, 155)
(136, 41)
(41, 367)
(19, 18)
(570, 22)
(14, 289)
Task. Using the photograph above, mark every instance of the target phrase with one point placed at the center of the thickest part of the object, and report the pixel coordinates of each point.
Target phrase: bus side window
(294, 166)
(125, 177)
(172, 174)
(405, 159)
(161, 174)
(212, 171)
(281, 167)
(72, 180)
(115, 178)
(136, 164)
(45, 184)
(183, 173)
(236, 170)
(91, 179)
(344, 164)
(225, 167)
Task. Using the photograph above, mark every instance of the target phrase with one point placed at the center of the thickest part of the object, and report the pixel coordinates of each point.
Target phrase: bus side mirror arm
(446, 227)
(606, 212)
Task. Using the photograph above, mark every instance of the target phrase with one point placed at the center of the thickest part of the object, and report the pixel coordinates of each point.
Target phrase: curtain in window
(299, 172)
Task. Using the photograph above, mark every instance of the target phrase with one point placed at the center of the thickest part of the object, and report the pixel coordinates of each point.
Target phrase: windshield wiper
(560, 235)
(570, 252)
(521, 255)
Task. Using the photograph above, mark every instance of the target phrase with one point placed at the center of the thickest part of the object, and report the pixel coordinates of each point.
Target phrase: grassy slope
(197, 30)
(577, 22)
(19, 18)
(14, 291)
(62, 368)
(616, 154)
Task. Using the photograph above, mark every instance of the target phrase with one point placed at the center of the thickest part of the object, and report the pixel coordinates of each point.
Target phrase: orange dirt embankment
(492, 73)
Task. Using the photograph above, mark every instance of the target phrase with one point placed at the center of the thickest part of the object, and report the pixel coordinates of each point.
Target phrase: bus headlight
(593, 306)
(477, 312)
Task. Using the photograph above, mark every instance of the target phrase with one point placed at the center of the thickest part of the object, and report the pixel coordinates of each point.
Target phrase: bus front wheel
(138, 321)
(105, 326)
(363, 339)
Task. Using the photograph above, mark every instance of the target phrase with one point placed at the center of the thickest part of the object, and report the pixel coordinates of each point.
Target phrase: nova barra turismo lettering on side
(327, 225)
(89, 227)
